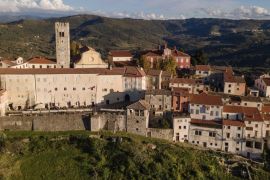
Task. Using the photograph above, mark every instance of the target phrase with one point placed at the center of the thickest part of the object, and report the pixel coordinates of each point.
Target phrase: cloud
(242, 12)
(26, 5)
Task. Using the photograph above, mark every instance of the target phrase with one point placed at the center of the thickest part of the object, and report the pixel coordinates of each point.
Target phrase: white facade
(181, 128)
(205, 112)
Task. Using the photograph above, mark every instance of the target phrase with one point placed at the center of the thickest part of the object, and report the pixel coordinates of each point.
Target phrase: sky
(143, 9)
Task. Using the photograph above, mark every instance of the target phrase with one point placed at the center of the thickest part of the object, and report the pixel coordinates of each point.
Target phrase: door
(205, 144)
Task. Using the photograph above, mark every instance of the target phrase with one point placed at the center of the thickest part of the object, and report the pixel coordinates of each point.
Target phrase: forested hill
(234, 42)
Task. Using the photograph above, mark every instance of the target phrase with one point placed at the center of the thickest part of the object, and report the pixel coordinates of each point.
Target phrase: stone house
(159, 100)
(157, 79)
(138, 117)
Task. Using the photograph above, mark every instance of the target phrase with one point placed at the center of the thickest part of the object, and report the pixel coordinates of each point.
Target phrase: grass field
(83, 155)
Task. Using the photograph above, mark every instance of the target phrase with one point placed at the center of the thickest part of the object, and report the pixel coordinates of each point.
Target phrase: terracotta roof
(250, 113)
(209, 123)
(233, 123)
(120, 53)
(266, 81)
(265, 109)
(158, 92)
(8, 62)
(181, 91)
(185, 81)
(202, 68)
(131, 71)
(154, 72)
(228, 77)
(40, 60)
(155, 53)
(250, 98)
(124, 63)
(140, 105)
(205, 99)
(266, 117)
(176, 53)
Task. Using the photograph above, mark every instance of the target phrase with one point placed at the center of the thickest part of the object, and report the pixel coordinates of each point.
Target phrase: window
(197, 111)
(74, 89)
(229, 91)
(83, 89)
(212, 134)
(40, 66)
(198, 133)
(256, 125)
(211, 113)
(238, 135)
(237, 149)
(180, 127)
(238, 128)
(65, 88)
(185, 127)
(191, 111)
(229, 127)
(229, 85)
(258, 145)
(228, 135)
(217, 113)
(55, 89)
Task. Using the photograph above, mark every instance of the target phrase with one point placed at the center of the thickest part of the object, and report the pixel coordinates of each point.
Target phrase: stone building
(195, 86)
(159, 100)
(180, 99)
(157, 79)
(263, 85)
(234, 85)
(62, 39)
(138, 117)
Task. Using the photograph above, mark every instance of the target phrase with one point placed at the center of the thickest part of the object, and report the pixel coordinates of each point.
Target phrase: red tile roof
(202, 68)
(250, 113)
(233, 123)
(185, 81)
(205, 99)
(176, 53)
(154, 72)
(40, 60)
(265, 109)
(181, 91)
(228, 77)
(206, 122)
(120, 53)
(131, 71)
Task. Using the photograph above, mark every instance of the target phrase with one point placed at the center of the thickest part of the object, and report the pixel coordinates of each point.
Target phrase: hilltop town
(154, 93)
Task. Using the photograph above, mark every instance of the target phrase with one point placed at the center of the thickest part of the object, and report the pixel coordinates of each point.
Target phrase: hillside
(234, 42)
(80, 155)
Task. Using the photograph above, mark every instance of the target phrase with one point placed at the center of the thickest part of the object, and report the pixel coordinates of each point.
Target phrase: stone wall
(166, 134)
(108, 121)
(51, 122)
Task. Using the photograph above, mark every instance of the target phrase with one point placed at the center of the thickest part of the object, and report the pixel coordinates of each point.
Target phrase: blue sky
(147, 9)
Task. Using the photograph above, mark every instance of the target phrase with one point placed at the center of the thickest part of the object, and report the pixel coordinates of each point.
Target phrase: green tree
(144, 63)
(74, 48)
(169, 64)
(199, 58)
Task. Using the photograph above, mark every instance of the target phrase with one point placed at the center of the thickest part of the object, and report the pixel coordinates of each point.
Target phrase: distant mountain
(234, 42)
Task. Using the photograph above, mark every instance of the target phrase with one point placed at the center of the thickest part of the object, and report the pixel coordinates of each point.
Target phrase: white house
(263, 84)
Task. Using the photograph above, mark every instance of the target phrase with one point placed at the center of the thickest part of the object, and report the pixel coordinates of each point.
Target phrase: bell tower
(62, 39)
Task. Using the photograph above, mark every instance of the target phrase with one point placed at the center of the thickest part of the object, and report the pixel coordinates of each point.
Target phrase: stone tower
(62, 39)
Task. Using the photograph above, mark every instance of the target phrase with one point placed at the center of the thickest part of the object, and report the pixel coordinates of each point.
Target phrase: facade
(3, 102)
(206, 107)
(138, 118)
(157, 79)
(234, 85)
(65, 88)
(181, 127)
(62, 39)
(180, 99)
(89, 58)
(36, 63)
(120, 56)
(195, 86)
(159, 100)
(263, 85)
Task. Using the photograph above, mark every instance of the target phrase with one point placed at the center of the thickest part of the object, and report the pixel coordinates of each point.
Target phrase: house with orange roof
(195, 86)
(36, 63)
(235, 85)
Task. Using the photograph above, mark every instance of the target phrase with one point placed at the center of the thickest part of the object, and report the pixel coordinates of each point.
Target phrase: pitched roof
(40, 60)
(266, 81)
(265, 109)
(155, 72)
(250, 98)
(140, 105)
(228, 77)
(158, 92)
(205, 99)
(207, 123)
(120, 53)
(185, 81)
(233, 123)
(176, 53)
(202, 67)
(131, 71)
(181, 91)
(250, 113)
(8, 62)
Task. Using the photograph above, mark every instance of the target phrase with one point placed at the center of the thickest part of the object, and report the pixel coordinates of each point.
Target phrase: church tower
(62, 39)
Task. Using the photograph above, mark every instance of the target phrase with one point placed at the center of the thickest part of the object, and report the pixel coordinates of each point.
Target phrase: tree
(199, 58)
(144, 63)
(169, 64)
(74, 48)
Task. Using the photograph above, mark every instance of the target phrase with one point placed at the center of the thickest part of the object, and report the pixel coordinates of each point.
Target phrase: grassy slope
(74, 155)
